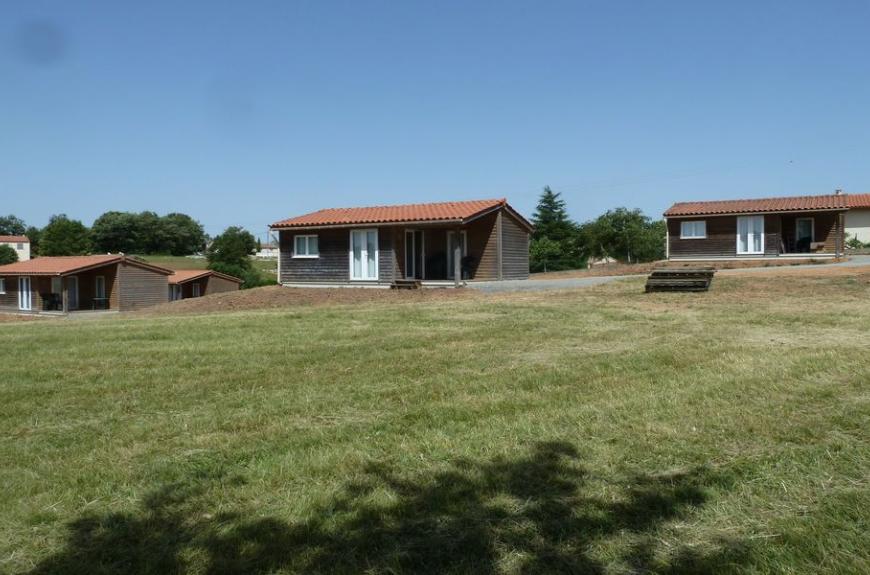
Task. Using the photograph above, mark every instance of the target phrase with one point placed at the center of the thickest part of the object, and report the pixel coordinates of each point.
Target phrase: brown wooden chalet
(798, 226)
(433, 244)
(81, 283)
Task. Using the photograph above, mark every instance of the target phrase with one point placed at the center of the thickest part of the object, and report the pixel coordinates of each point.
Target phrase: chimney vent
(838, 192)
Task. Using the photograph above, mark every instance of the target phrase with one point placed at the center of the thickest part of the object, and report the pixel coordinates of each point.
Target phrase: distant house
(267, 251)
(21, 245)
(858, 217)
(798, 226)
(77, 283)
(436, 244)
(184, 284)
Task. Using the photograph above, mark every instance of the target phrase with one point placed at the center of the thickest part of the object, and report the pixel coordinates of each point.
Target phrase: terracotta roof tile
(62, 265)
(858, 200)
(14, 239)
(762, 205)
(441, 211)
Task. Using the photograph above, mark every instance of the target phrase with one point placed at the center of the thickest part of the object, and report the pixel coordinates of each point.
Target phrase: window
(2, 285)
(195, 289)
(20, 246)
(696, 230)
(305, 247)
(100, 287)
(750, 235)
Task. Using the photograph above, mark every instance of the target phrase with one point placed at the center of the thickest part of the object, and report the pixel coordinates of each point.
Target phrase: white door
(364, 255)
(24, 301)
(750, 235)
(72, 288)
(451, 249)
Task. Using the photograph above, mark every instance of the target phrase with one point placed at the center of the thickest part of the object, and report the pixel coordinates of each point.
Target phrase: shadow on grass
(535, 514)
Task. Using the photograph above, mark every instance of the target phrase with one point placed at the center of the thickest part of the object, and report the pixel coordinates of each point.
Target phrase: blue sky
(248, 112)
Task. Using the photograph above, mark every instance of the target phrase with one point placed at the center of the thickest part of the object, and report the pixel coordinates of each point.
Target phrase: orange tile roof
(858, 200)
(63, 265)
(182, 276)
(456, 212)
(763, 205)
(14, 239)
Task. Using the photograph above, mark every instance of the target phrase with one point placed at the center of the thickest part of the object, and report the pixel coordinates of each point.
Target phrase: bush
(7, 255)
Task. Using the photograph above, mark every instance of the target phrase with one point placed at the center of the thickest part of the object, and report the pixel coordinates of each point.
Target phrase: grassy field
(593, 431)
(186, 263)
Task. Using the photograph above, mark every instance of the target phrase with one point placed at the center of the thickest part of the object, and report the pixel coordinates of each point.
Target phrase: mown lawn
(594, 431)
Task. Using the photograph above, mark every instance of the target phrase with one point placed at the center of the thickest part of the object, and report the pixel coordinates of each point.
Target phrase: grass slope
(594, 431)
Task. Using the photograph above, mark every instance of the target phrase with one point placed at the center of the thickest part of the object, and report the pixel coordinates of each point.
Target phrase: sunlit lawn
(594, 431)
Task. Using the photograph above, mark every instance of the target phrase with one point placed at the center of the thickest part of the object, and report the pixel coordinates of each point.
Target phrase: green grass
(595, 431)
(186, 263)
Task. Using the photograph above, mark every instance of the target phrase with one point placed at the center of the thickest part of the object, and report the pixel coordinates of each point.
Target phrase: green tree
(623, 234)
(33, 234)
(230, 253)
(7, 255)
(115, 232)
(545, 255)
(153, 238)
(554, 242)
(182, 234)
(64, 237)
(11, 226)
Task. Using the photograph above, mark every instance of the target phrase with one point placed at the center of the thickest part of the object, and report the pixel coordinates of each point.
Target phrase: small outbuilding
(66, 284)
(184, 284)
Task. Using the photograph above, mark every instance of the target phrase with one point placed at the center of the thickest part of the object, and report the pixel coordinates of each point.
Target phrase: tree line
(622, 234)
(113, 232)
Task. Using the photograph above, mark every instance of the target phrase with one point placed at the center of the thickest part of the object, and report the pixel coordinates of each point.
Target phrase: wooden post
(457, 259)
(65, 296)
(498, 242)
(395, 259)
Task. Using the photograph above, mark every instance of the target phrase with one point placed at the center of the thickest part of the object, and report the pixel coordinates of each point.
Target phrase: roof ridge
(414, 205)
(767, 198)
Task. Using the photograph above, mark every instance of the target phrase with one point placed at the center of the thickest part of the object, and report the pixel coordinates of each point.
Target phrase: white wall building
(20, 244)
(858, 217)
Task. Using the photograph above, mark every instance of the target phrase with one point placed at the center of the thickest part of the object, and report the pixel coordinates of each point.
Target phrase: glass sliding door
(750, 235)
(24, 301)
(364, 255)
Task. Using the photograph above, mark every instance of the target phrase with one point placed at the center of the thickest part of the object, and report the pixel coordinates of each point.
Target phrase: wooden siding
(140, 287)
(216, 284)
(9, 300)
(779, 235)
(482, 246)
(514, 248)
(333, 264)
(721, 240)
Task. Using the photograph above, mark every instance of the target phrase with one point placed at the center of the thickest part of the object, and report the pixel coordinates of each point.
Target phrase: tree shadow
(534, 514)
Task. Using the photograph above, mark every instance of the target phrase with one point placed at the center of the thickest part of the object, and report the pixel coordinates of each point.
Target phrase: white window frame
(25, 297)
(2, 285)
(684, 236)
(307, 238)
(364, 255)
(749, 251)
(812, 229)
